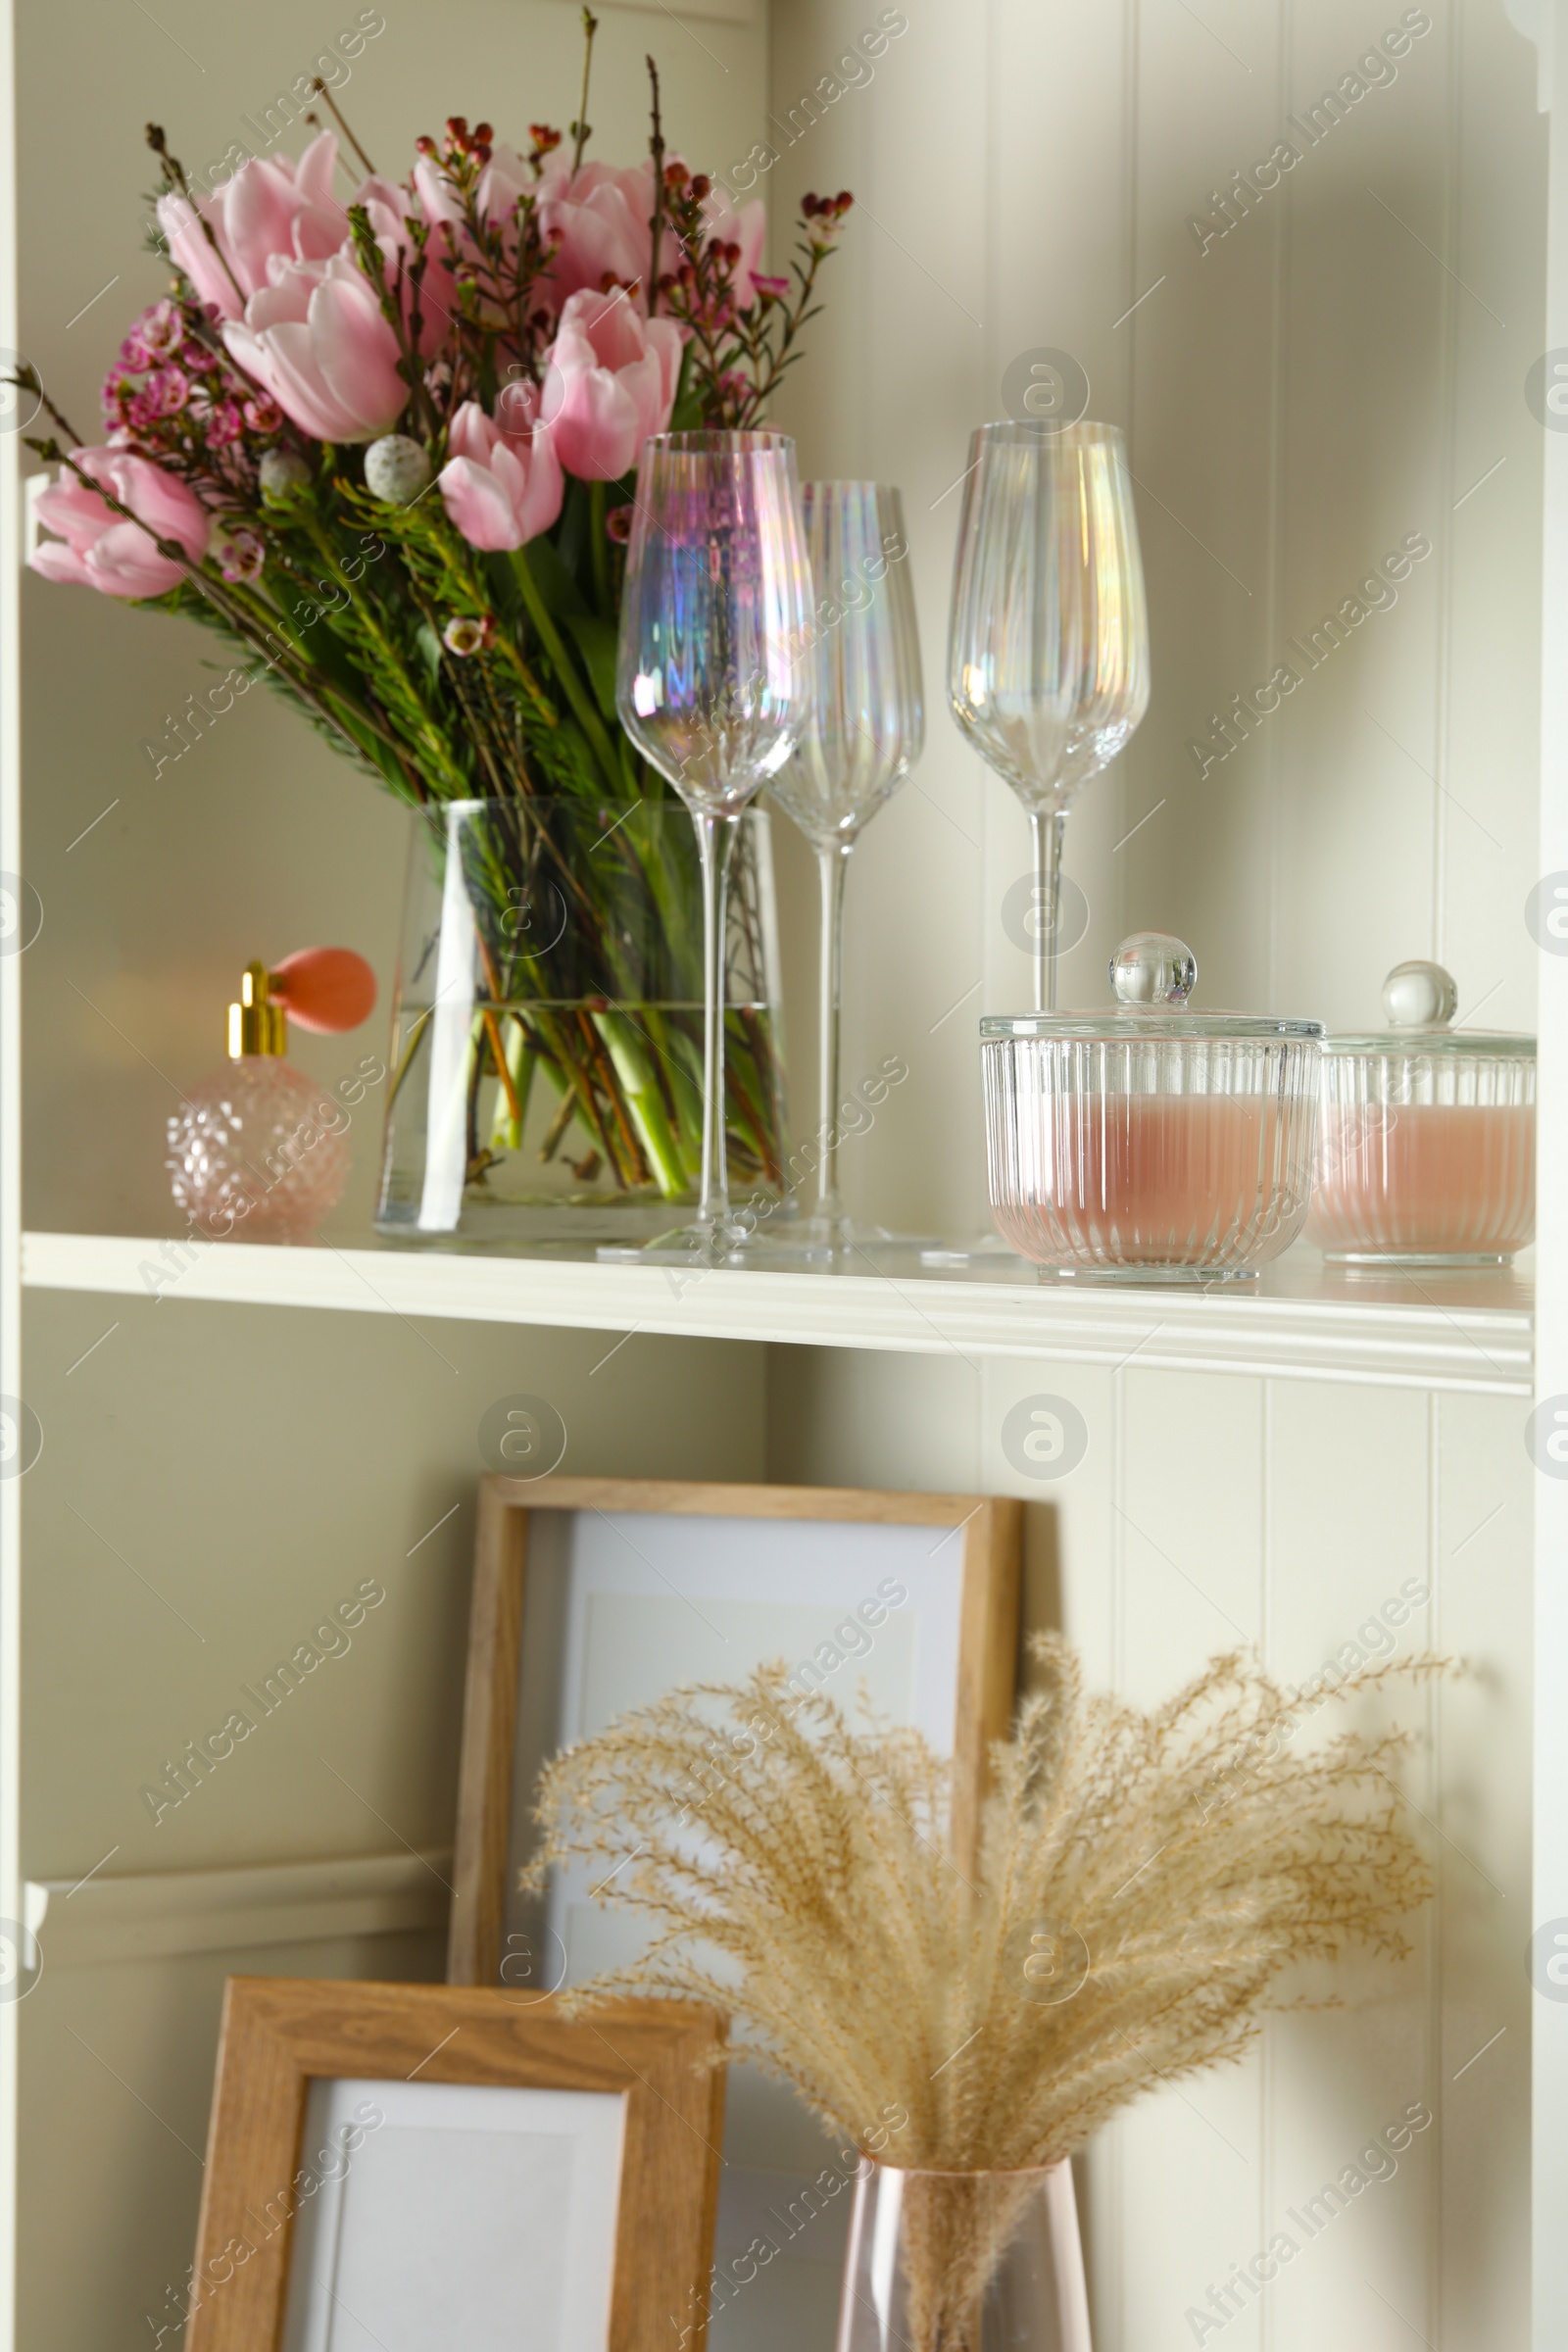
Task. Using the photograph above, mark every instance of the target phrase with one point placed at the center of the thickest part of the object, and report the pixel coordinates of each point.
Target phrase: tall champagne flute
(865, 732)
(1047, 655)
(708, 687)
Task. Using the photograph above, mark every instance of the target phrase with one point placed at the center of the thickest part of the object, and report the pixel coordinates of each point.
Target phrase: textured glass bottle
(255, 1152)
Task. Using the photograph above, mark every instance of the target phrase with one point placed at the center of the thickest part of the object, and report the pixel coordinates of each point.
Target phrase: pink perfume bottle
(256, 1151)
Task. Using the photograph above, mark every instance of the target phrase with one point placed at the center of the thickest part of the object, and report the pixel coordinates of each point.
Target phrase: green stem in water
(583, 710)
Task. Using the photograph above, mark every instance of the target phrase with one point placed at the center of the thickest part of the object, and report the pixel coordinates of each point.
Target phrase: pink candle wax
(1425, 1180)
(1157, 1179)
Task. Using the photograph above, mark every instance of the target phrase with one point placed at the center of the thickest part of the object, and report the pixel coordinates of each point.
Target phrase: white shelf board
(1303, 1321)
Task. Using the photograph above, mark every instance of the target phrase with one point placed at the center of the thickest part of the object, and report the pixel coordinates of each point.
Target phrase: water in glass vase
(547, 1051)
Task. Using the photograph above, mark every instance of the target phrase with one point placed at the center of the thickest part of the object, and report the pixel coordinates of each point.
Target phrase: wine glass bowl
(1048, 652)
(865, 732)
(708, 687)
(868, 717)
(715, 604)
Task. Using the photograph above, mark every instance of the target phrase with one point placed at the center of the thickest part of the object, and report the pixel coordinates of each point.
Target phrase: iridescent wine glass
(865, 732)
(709, 688)
(1047, 655)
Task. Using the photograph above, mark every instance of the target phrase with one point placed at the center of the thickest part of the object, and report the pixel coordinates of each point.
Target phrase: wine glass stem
(715, 838)
(832, 859)
(1048, 827)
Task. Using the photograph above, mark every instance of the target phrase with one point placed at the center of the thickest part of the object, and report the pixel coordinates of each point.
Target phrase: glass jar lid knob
(1152, 967)
(1420, 996)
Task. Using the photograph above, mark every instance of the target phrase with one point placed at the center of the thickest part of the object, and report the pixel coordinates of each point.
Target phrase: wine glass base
(696, 1245)
(758, 1244)
(989, 1250)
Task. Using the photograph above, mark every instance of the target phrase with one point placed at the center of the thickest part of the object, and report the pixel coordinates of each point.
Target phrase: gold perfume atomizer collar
(256, 1025)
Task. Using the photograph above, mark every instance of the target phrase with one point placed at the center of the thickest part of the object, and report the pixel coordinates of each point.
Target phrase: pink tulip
(603, 217)
(271, 209)
(386, 208)
(747, 228)
(315, 339)
(611, 383)
(502, 488)
(98, 548)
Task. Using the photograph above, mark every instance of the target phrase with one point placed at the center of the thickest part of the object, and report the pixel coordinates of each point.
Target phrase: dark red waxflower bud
(810, 206)
(732, 253)
(845, 199)
(481, 152)
(702, 186)
(457, 127)
(483, 133)
(424, 146)
(618, 524)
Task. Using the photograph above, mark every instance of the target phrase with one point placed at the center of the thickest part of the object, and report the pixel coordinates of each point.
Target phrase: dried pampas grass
(1143, 1882)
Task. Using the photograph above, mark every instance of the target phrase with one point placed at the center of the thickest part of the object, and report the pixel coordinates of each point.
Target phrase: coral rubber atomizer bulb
(258, 1150)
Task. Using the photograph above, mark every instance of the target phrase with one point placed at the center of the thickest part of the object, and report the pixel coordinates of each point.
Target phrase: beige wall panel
(215, 1479)
(117, 2072)
(260, 839)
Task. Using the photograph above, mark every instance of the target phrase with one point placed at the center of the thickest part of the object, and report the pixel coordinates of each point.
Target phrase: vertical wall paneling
(1549, 2015)
(11, 1374)
(1208, 1512)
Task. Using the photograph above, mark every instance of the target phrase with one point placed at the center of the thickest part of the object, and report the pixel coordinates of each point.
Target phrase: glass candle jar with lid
(1146, 1142)
(1427, 1142)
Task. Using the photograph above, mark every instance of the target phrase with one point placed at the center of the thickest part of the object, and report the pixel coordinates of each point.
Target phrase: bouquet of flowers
(386, 447)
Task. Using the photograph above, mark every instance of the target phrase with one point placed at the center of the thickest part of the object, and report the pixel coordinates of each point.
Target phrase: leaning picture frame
(591, 1595)
(421, 2163)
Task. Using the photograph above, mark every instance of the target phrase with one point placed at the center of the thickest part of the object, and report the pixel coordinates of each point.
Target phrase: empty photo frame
(595, 1596)
(406, 2168)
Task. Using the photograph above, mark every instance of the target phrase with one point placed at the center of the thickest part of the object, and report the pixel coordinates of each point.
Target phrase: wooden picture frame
(280, 2035)
(985, 1548)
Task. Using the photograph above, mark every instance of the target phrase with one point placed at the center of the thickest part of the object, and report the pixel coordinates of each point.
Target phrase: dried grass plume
(1143, 1882)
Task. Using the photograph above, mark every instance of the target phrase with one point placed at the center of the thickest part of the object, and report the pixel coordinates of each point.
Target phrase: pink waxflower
(262, 414)
(241, 554)
(602, 219)
(168, 391)
(159, 328)
(271, 209)
(611, 383)
(502, 487)
(222, 425)
(97, 548)
(747, 228)
(317, 340)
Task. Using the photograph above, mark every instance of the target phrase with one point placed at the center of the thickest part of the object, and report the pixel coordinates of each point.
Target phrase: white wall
(1296, 398)
(1210, 1511)
(1315, 386)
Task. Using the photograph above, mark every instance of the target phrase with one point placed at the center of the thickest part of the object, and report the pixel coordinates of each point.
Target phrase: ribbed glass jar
(1427, 1156)
(1151, 1157)
(1427, 1143)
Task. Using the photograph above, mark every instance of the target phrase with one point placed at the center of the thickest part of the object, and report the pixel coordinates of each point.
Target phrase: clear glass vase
(965, 2262)
(547, 1032)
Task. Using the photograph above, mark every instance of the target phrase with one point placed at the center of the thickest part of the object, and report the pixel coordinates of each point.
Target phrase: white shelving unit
(1472, 1333)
